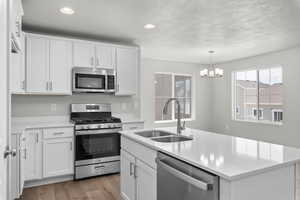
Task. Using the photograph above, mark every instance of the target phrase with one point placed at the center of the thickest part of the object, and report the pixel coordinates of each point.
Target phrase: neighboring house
(270, 101)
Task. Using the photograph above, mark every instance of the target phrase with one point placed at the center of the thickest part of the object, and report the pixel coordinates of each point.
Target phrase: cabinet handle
(51, 88)
(97, 62)
(37, 138)
(18, 25)
(118, 87)
(131, 169)
(25, 154)
(134, 171)
(23, 85)
(58, 133)
(71, 146)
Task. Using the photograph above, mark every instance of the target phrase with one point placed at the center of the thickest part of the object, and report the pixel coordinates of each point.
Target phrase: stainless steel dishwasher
(178, 180)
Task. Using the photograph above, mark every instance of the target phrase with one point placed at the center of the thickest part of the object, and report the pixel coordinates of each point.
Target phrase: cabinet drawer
(140, 151)
(133, 126)
(58, 132)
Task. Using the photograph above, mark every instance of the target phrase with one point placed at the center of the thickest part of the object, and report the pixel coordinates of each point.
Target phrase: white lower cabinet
(138, 178)
(33, 154)
(127, 176)
(145, 182)
(49, 153)
(57, 157)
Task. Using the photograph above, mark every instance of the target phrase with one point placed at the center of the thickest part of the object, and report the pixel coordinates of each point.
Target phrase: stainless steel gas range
(97, 141)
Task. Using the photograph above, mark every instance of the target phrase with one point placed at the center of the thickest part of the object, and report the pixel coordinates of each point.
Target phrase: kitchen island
(247, 169)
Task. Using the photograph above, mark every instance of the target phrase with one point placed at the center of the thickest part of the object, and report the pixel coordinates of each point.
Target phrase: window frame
(173, 96)
(233, 96)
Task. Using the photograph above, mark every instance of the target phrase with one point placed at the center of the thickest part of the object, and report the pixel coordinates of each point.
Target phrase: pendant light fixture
(212, 71)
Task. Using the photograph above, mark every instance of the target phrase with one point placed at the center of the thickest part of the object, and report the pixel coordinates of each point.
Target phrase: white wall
(289, 132)
(201, 90)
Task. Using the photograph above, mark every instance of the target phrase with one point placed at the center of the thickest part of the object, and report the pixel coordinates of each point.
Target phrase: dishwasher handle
(193, 181)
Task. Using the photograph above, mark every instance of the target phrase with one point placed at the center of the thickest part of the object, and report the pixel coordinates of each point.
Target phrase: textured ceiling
(186, 29)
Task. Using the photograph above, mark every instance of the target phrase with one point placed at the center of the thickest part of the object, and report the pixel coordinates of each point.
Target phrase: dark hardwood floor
(101, 188)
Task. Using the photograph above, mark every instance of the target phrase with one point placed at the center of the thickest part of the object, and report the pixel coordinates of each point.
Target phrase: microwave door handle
(106, 82)
(195, 182)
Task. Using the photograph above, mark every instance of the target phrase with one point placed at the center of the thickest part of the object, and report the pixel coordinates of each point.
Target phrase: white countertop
(19, 124)
(229, 157)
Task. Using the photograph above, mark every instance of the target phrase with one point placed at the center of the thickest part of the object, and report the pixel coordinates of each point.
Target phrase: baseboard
(46, 181)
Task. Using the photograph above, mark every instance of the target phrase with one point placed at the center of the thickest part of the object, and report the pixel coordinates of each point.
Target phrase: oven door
(97, 146)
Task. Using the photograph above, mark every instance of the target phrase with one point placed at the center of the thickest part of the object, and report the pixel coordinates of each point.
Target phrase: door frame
(4, 98)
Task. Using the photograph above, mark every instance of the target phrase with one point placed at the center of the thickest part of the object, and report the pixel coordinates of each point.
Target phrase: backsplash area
(31, 106)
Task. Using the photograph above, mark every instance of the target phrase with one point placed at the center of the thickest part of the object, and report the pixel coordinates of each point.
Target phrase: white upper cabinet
(17, 70)
(37, 64)
(48, 66)
(127, 71)
(60, 66)
(88, 54)
(105, 56)
(49, 63)
(83, 54)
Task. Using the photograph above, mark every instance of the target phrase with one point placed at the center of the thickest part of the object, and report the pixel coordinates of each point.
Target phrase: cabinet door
(33, 162)
(60, 66)
(145, 182)
(58, 157)
(37, 65)
(105, 56)
(127, 71)
(83, 54)
(127, 176)
(17, 69)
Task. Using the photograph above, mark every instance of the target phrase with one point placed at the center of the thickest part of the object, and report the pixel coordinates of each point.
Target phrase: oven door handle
(101, 131)
(195, 182)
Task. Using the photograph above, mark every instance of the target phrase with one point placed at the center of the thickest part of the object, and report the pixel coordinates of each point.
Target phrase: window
(257, 95)
(277, 115)
(168, 85)
(260, 113)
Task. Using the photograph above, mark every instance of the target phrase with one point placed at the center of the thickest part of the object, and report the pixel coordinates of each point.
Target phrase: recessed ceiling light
(67, 11)
(149, 26)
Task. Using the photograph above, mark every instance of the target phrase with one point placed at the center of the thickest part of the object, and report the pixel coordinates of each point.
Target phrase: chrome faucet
(165, 111)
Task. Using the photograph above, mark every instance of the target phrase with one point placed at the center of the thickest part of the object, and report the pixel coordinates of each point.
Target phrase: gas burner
(96, 121)
(97, 118)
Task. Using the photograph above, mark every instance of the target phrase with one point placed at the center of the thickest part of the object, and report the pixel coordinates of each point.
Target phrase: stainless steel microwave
(93, 80)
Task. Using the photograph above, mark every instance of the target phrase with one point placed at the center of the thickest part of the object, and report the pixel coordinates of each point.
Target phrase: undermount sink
(173, 138)
(153, 133)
